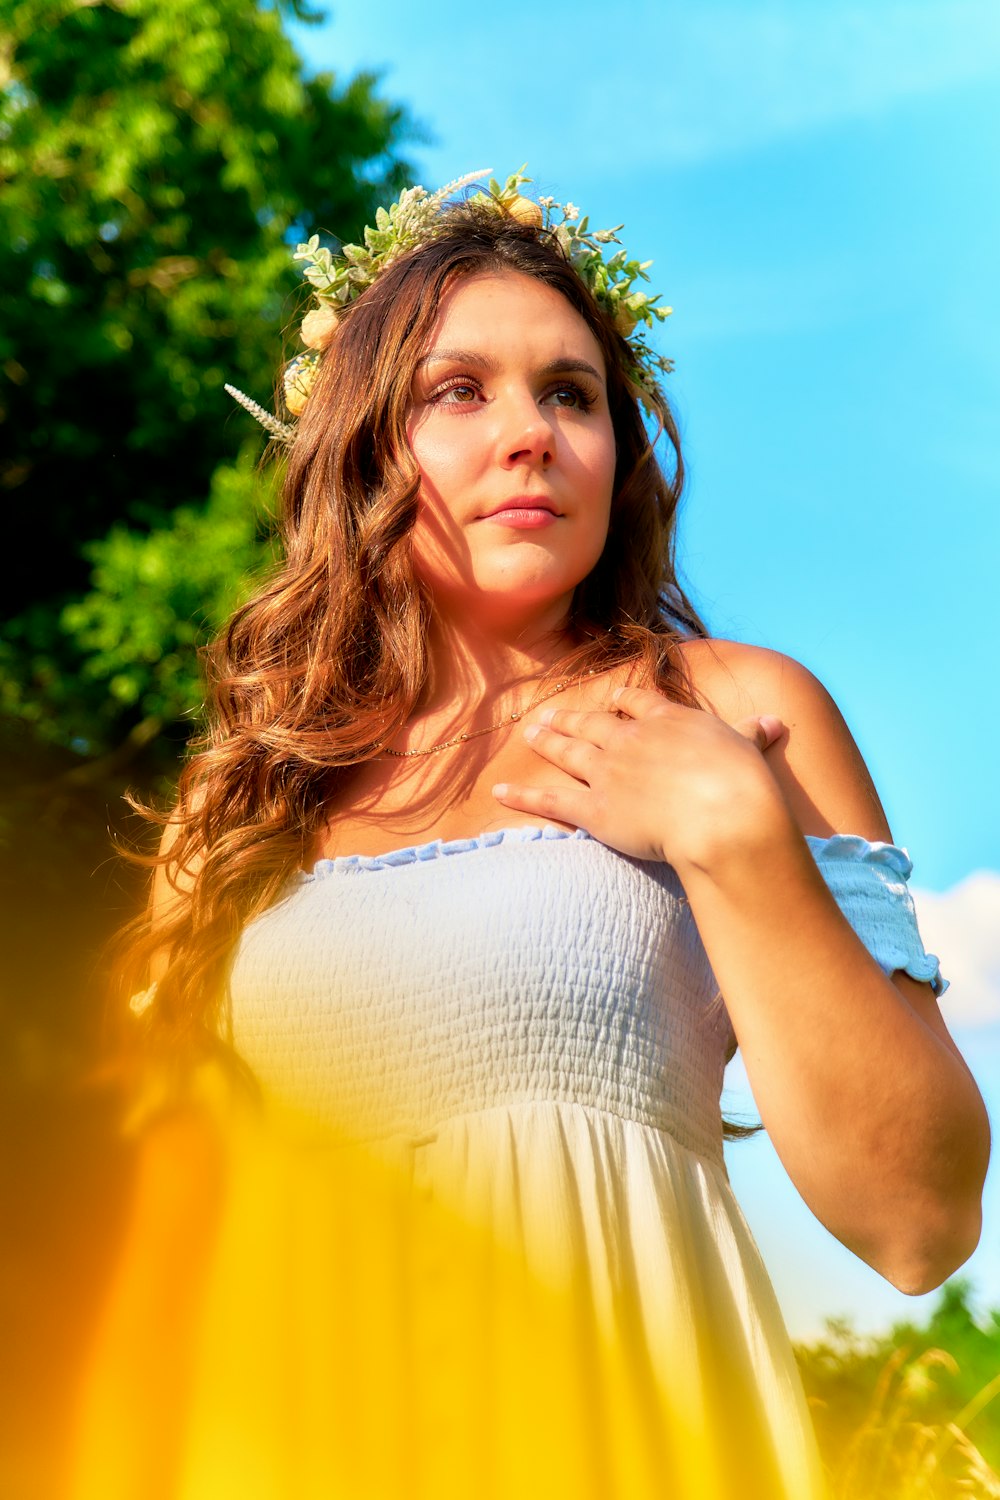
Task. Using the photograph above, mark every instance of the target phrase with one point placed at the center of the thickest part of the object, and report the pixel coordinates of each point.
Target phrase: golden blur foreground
(295, 1316)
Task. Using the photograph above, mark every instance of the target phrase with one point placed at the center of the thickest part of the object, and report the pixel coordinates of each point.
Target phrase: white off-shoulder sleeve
(869, 883)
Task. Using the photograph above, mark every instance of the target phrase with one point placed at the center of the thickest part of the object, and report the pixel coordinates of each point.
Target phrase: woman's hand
(664, 782)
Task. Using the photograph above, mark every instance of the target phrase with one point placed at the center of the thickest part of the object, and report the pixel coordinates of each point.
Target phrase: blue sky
(817, 184)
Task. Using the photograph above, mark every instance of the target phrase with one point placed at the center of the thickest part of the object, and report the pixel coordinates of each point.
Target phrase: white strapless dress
(491, 1248)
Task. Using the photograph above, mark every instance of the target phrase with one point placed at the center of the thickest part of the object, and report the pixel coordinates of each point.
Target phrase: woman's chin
(500, 603)
(541, 586)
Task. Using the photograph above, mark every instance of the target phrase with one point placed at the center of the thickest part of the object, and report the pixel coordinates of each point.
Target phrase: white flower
(570, 212)
(318, 326)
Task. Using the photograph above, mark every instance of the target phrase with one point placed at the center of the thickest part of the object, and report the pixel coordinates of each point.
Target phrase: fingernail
(617, 694)
(501, 789)
(771, 725)
(533, 731)
(547, 715)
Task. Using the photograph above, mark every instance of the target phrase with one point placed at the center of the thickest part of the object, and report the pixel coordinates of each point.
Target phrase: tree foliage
(131, 642)
(157, 158)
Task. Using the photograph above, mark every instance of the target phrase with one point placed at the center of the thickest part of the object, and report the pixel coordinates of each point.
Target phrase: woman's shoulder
(815, 760)
(735, 680)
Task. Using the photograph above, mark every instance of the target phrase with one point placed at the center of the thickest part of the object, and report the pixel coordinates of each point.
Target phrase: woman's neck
(469, 665)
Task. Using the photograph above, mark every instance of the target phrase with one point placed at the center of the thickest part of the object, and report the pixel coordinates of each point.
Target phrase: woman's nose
(526, 433)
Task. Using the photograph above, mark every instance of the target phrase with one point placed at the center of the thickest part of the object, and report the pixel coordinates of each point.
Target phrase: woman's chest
(400, 800)
(442, 980)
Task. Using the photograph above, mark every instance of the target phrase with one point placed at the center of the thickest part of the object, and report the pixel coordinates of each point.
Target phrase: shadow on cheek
(439, 543)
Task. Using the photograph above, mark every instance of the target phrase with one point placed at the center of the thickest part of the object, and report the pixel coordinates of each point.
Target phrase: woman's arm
(172, 885)
(866, 1099)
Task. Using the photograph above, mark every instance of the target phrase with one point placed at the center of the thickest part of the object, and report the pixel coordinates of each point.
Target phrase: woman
(484, 831)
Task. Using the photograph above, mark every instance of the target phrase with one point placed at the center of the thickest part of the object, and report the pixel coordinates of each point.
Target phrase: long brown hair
(328, 661)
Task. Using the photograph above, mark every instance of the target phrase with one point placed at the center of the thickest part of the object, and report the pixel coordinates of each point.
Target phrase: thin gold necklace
(475, 734)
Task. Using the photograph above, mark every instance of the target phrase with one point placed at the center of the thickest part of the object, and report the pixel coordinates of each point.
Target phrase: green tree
(156, 159)
(154, 598)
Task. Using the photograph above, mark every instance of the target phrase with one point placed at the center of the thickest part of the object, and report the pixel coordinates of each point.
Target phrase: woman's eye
(573, 397)
(569, 397)
(461, 394)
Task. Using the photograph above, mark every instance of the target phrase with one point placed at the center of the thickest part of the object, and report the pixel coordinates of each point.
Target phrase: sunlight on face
(512, 434)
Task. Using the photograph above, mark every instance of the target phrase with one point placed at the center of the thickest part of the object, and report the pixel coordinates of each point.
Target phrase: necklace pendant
(514, 718)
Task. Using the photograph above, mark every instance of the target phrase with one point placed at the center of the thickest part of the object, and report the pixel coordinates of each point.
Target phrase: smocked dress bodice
(528, 964)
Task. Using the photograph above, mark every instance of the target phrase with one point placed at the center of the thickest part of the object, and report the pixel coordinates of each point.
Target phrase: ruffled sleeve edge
(892, 866)
(852, 848)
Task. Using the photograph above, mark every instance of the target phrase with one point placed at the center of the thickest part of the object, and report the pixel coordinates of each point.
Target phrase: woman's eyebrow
(461, 356)
(488, 362)
(571, 367)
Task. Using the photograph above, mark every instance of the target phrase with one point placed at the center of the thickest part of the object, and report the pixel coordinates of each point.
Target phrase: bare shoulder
(816, 761)
(732, 679)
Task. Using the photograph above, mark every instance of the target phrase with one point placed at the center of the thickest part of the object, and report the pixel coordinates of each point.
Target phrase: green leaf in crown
(418, 217)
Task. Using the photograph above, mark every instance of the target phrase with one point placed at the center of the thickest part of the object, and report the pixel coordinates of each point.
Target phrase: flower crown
(418, 217)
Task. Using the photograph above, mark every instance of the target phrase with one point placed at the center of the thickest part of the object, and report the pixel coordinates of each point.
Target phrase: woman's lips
(524, 515)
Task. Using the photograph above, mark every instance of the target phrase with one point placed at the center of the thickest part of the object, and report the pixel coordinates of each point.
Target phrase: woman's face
(512, 434)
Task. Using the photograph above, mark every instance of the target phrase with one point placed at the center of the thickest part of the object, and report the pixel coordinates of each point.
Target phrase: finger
(762, 729)
(639, 703)
(597, 728)
(577, 757)
(560, 804)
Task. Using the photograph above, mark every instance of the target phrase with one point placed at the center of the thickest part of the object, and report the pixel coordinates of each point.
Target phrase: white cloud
(962, 926)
